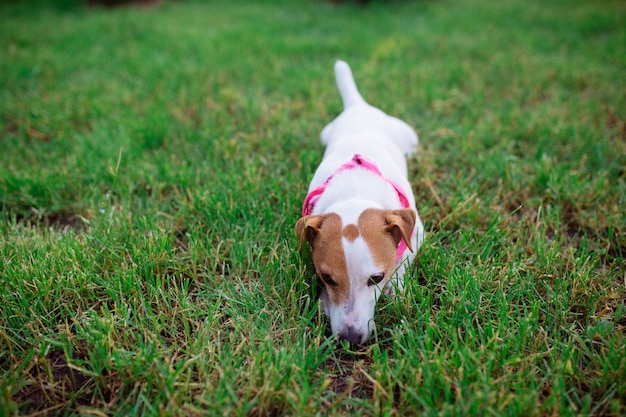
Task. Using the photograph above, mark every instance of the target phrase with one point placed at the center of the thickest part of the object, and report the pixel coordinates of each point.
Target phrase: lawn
(153, 162)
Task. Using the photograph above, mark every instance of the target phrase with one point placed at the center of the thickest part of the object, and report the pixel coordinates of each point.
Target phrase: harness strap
(357, 161)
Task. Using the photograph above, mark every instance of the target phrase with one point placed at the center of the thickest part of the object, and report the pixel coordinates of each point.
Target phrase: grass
(154, 161)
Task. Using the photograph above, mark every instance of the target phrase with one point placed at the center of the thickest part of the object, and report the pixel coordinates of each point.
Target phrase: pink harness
(357, 161)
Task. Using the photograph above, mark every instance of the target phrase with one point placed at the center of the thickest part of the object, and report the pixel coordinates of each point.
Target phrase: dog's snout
(351, 335)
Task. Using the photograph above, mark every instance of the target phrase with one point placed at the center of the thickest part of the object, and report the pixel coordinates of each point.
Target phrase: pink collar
(357, 161)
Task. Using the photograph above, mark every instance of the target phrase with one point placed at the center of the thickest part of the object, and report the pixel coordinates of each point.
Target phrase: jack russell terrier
(359, 216)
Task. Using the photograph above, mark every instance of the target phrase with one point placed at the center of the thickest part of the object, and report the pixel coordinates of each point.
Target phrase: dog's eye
(328, 280)
(375, 279)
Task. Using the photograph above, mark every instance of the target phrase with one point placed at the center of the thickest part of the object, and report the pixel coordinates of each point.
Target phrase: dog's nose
(351, 335)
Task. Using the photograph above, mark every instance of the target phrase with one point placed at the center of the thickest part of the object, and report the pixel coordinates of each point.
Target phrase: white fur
(385, 140)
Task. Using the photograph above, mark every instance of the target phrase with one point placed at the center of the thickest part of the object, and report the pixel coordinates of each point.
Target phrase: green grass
(152, 166)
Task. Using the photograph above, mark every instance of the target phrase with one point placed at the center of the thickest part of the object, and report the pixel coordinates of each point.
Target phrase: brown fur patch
(350, 232)
(372, 226)
(328, 256)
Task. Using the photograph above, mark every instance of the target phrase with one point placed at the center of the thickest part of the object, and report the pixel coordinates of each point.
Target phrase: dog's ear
(400, 224)
(308, 227)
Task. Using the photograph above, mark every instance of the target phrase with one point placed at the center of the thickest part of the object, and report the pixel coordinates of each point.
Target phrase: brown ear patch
(372, 225)
(383, 230)
(324, 234)
(400, 224)
(307, 228)
(329, 257)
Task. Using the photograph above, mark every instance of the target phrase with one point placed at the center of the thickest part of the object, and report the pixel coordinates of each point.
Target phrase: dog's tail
(347, 87)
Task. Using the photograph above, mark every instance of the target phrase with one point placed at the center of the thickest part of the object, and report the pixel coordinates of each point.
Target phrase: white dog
(359, 216)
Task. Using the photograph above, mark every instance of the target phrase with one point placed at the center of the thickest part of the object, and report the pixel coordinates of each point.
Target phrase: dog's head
(354, 262)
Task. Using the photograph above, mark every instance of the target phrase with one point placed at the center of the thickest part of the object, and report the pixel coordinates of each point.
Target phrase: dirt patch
(63, 220)
(54, 385)
(349, 377)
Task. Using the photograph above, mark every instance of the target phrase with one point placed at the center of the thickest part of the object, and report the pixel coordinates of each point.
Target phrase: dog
(359, 215)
